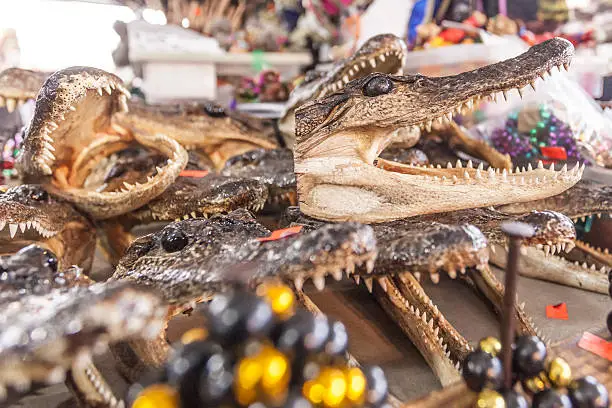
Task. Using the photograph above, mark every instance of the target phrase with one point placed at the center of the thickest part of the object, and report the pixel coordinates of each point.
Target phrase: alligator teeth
(108, 89)
(100, 92)
(319, 282)
(370, 265)
(11, 104)
(383, 284)
(372, 62)
(13, 230)
(435, 277)
(345, 79)
(369, 282)
(382, 58)
(337, 274)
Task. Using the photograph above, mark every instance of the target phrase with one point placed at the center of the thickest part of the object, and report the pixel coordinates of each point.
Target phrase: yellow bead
(490, 345)
(559, 372)
(313, 391)
(355, 385)
(276, 371)
(192, 335)
(334, 383)
(157, 396)
(490, 399)
(536, 384)
(248, 373)
(280, 298)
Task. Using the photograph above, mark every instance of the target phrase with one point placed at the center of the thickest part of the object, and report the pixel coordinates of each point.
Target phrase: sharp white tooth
(455, 178)
(504, 175)
(363, 64)
(452, 273)
(449, 116)
(478, 174)
(369, 282)
(598, 215)
(108, 89)
(100, 91)
(345, 79)
(11, 104)
(159, 170)
(128, 185)
(593, 267)
(417, 276)
(560, 247)
(370, 265)
(298, 282)
(13, 230)
(449, 165)
(424, 317)
(435, 277)
(339, 84)
(603, 269)
(193, 214)
(584, 265)
(72, 108)
(382, 58)
(383, 284)
(459, 165)
(2, 225)
(553, 249)
(47, 138)
(469, 164)
(431, 323)
(481, 166)
(466, 175)
(529, 168)
(546, 249)
(337, 274)
(372, 62)
(49, 146)
(53, 125)
(357, 279)
(319, 282)
(540, 164)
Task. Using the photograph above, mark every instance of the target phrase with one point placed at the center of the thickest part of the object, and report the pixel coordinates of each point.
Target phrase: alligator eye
(214, 110)
(173, 240)
(378, 85)
(50, 260)
(39, 195)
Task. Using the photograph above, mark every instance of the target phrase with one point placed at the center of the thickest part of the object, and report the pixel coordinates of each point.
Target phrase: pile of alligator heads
(374, 161)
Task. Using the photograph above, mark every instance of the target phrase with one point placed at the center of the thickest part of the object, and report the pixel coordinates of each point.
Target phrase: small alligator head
(193, 259)
(28, 214)
(384, 53)
(17, 86)
(71, 131)
(273, 167)
(340, 136)
(203, 126)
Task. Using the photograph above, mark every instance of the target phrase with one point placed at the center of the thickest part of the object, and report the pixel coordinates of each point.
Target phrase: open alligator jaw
(71, 131)
(340, 137)
(18, 86)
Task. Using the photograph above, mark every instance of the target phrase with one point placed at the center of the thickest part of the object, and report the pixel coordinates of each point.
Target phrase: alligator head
(18, 86)
(28, 214)
(340, 137)
(583, 267)
(44, 335)
(273, 167)
(203, 126)
(71, 131)
(193, 259)
(384, 53)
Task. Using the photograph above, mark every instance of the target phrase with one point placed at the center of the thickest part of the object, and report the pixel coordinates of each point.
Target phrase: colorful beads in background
(10, 150)
(551, 140)
(261, 351)
(546, 382)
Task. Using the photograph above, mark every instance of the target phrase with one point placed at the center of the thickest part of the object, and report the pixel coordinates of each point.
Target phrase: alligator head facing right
(340, 137)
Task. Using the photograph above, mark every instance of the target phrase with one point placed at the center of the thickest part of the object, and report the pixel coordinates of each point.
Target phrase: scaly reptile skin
(443, 244)
(384, 53)
(28, 214)
(340, 136)
(54, 321)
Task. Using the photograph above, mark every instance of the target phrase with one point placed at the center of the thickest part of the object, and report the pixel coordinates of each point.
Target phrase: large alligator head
(384, 53)
(203, 126)
(28, 214)
(71, 132)
(191, 259)
(340, 137)
(18, 86)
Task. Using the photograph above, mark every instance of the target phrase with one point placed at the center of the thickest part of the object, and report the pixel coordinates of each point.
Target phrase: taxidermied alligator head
(71, 131)
(28, 214)
(340, 137)
(199, 126)
(55, 321)
(436, 245)
(584, 267)
(384, 53)
(18, 86)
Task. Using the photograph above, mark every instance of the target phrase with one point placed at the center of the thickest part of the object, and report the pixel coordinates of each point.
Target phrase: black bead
(295, 399)
(610, 276)
(173, 239)
(377, 386)
(609, 322)
(587, 392)
(39, 195)
(515, 400)
(236, 316)
(529, 356)
(214, 110)
(338, 339)
(378, 85)
(551, 399)
(302, 334)
(482, 370)
(202, 373)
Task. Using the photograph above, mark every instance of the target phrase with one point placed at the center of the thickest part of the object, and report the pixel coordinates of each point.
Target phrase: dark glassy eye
(214, 110)
(173, 240)
(50, 260)
(39, 195)
(378, 85)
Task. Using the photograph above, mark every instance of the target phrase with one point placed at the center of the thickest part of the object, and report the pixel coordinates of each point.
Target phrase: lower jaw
(102, 205)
